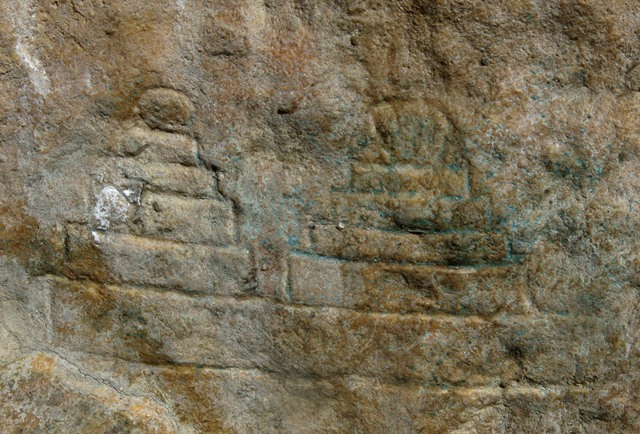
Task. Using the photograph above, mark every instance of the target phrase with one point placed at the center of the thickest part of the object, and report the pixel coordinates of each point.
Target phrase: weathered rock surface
(337, 216)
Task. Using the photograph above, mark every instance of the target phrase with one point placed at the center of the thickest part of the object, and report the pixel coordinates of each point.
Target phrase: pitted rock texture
(335, 216)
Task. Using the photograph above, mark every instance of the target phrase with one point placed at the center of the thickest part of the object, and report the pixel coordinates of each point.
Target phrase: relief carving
(159, 218)
(407, 234)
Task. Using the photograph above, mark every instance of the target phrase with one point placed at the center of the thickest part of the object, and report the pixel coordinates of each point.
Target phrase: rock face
(290, 216)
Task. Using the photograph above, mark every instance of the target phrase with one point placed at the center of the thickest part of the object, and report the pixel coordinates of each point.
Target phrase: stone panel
(162, 216)
(383, 288)
(160, 177)
(156, 146)
(154, 327)
(438, 248)
(409, 178)
(423, 211)
(128, 259)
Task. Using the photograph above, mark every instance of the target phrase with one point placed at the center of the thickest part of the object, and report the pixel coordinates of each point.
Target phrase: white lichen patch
(96, 237)
(37, 74)
(23, 17)
(133, 194)
(111, 207)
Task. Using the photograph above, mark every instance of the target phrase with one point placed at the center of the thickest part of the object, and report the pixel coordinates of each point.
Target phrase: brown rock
(45, 393)
(165, 109)
(324, 216)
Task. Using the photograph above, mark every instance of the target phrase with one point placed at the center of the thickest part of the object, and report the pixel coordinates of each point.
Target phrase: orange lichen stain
(22, 238)
(43, 364)
(94, 310)
(40, 392)
(83, 257)
(141, 408)
(146, 415)
(17, 230)
(196, 405)
(109, 317)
